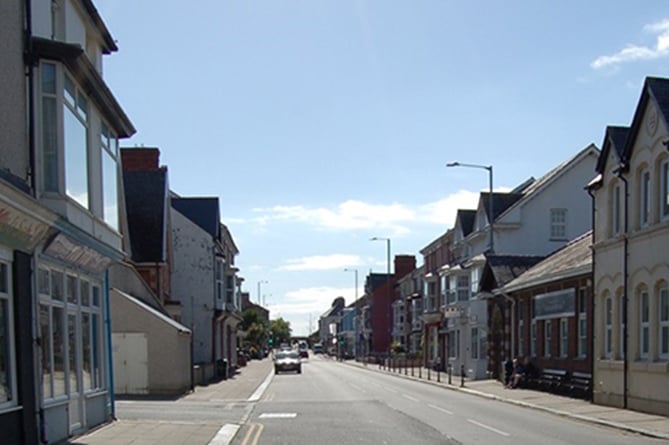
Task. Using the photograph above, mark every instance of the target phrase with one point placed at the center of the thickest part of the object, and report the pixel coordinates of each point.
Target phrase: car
(287, 361)
(318, 348)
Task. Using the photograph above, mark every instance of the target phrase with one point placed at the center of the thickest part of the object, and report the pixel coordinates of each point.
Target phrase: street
(332, 402)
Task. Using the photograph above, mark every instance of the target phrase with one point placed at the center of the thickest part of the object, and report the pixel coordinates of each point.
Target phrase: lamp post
(491, 217)
(387, 240)
(356, 281)
(260, 296)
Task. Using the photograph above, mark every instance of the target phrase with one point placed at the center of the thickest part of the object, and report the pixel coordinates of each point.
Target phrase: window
(452, 353)
(663, 326)
(664, 192)
(7, 354)
(75, 123)
(463, 287)
(582, 323)
(564, 338)
(644, 324)
(521, 328)
(621, 336)
(533, 339)
(548, 337)
(608, 327)
(109, 155)
(644, 199)
(558, 224)
(70, 321)
(443, 284)
(475, 343)
(615, 211)
(220, 283)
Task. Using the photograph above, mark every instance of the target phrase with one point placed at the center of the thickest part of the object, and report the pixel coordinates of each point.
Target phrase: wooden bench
(580, 384)
(552, 380)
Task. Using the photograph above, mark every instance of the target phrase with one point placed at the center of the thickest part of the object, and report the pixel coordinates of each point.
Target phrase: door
(75, 406)
(131, 365)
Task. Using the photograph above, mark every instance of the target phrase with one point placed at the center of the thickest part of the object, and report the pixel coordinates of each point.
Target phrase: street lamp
(390, 298)
(259, 283)
(491, 217)
(356, 281)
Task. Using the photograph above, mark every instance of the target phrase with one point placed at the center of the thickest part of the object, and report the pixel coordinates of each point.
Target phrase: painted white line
(413, 399)
(261, 389)
(225, 435)
(489, 428)
(439, 408)
(277, 415)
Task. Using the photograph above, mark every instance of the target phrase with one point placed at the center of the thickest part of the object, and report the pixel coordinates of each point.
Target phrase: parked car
(318, 348)
(287, 361)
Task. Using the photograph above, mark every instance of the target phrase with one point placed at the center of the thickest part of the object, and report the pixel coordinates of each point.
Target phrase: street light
(259, 283)
(390, 298)
(356, 281)
(491, 217)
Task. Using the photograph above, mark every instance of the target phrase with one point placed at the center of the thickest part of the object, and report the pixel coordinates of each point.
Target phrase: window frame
(474, 343)
(615, 210)
(644, 197)
(6, 297)
(608, 327)
(521, 328)
(548, 337)
(564, 338)
(663, 323)
(644, 324)
(558, 223)
(664, 190)
(582, 323)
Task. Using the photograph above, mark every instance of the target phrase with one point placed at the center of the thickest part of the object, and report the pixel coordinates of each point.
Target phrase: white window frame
(6, 297)
(582, 323)
(615, 210)
(558, 227)
(533, 338)
(644, 324)
(608, 327)
(548, 337)
(564, 338)
(663, 323)
(664, 191)
(521, 328)
(463, 287)
(644, 198)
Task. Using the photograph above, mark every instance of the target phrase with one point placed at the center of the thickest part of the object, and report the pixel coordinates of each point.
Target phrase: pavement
(249, 383)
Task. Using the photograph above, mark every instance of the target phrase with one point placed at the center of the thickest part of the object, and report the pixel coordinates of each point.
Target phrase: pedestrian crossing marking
(278, 415)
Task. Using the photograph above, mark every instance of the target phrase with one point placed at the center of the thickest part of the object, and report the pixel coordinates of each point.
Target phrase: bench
(552, 380)
(580, 384)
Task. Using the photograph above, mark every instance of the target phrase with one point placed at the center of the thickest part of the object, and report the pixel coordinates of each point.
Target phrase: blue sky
(322, 123)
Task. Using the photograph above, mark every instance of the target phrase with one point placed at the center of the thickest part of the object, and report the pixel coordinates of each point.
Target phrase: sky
(320, 124)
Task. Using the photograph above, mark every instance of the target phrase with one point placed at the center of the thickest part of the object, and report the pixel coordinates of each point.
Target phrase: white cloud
(322, 262)
(633, 53)
(444, 211)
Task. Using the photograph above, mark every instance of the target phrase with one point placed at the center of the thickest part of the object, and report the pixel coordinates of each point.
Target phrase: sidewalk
(628, 420)
(242, 387)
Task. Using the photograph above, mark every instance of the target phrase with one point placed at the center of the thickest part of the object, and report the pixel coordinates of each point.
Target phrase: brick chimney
(404, 264)
(140, 159)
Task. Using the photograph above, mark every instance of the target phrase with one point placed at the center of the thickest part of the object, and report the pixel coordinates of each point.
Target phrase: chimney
(404, 264)
(140, 159)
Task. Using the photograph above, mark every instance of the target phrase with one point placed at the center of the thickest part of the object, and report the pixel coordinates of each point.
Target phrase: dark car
(287, 361)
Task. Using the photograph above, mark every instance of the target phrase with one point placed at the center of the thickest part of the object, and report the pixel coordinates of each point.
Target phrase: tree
(255, 328)
(280, 330)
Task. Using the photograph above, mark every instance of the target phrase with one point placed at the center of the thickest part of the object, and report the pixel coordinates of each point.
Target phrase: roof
(466, 218)
(501, 202)
(655, 88)
(203, 211)
(615, 138)
(145, 200)
(572, 259)
(175, 324)
(505, 268)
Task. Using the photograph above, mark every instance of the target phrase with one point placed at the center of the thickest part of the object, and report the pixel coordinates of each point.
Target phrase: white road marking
(413, 399)
(439, 408)
(489, 428)
(278, 415)
(261, 389)
(225, 434)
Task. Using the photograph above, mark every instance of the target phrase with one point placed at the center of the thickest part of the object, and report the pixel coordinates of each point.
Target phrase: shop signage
(555, 304)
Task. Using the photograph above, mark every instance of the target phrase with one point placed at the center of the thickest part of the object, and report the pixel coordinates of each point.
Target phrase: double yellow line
(253, 434)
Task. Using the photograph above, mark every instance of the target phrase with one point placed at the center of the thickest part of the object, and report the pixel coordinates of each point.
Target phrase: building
(60, 218)
(329, 325)
(410, 289)
(536, 218)
(631, 271)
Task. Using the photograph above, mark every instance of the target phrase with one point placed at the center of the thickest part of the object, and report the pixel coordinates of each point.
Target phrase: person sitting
(508, 372)
(518, 373)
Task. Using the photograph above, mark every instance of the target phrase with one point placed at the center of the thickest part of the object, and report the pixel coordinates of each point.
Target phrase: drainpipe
(110, 363)
(591, 331)
(625, 283)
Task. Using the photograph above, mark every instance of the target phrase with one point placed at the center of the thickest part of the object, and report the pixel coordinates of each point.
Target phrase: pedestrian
(508, 371)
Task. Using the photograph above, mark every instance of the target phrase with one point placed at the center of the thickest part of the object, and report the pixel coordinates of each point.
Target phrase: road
(335, 403)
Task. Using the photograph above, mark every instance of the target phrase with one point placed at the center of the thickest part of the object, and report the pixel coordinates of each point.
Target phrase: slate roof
(203, 211)
(616, 138)
(500, 202)
(145, 200)
(466, 218)
(572, 259)
(504, 268)
(157, 314)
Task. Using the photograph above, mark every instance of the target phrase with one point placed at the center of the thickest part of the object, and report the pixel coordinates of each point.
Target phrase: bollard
(450, 373)
(412, 364)
(438, 373)
(428, 372)
(462, 375)
(420, 371)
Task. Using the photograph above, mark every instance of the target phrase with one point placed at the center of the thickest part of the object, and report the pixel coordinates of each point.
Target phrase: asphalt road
(333, 403)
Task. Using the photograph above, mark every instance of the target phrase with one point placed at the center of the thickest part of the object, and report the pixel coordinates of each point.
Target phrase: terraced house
(59, 218)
